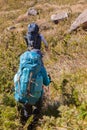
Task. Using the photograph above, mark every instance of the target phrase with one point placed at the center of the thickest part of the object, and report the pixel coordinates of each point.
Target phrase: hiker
(33, 38)
(28, 82)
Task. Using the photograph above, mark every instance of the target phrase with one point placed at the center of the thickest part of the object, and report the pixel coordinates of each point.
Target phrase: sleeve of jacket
(44, 40)
(46, 79)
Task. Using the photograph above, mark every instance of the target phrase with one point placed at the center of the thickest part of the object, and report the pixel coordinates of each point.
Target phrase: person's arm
(46, 79)
(44, 41)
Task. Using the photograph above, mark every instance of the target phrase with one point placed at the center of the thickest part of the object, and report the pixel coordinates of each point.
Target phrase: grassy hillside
(66, 61)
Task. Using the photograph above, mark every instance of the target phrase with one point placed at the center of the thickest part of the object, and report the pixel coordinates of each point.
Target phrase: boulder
(81, 20)
(32, 11)
(24, 17)
(59, 16)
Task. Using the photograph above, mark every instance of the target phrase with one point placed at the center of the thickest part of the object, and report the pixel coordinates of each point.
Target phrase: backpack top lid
(31, 60)
(33, 28)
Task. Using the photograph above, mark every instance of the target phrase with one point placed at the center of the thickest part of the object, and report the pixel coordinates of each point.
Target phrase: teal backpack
(28, 81)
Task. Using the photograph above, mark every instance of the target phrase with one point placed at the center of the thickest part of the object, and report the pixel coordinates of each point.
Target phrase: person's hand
(49, 77)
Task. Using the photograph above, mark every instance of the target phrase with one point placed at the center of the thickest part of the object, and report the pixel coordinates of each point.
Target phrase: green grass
(66, 107)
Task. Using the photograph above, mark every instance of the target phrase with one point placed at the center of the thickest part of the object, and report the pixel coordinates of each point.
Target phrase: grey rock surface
(32, 11)
(59, 16)
(81, 20)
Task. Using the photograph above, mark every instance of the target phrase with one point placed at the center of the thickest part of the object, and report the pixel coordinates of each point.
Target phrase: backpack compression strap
(29, 86)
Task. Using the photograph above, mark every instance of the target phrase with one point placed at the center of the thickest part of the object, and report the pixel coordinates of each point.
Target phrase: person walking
(33, 38)
(28, 82)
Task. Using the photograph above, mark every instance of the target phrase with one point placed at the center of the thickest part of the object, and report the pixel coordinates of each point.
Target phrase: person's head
(33, 28)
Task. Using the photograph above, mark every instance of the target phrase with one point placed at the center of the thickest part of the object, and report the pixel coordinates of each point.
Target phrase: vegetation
(66, 105)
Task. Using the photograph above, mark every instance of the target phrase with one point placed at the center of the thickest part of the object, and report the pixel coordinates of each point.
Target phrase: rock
(24, 17)
(32, 11)
(56, 17)
(84, 26)
(81, 20)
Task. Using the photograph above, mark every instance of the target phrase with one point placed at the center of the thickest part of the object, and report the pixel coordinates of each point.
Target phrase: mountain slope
(66, 61)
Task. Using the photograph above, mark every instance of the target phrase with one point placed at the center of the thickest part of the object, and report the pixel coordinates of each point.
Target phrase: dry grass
(66, 62)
